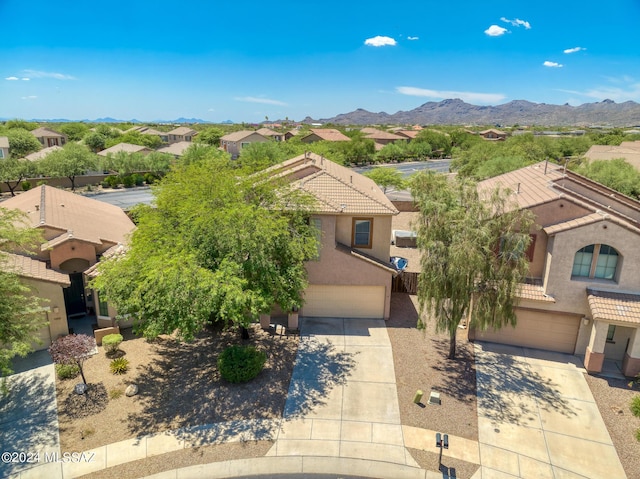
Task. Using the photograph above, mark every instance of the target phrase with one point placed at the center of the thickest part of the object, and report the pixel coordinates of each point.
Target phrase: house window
(244, 144)
(595, 261)
(1, 153)
(362, 232)
(611, 332)
(103, 307)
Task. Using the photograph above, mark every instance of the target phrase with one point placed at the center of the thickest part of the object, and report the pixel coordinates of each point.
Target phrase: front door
(74, 296)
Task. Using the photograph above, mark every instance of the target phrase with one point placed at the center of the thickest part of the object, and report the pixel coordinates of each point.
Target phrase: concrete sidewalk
(537, 417)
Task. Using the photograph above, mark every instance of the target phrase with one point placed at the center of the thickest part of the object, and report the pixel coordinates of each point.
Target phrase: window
(362, 232)
(103, 307)
(1, 153)
(595, 261)
(244, 144)
(611, 332)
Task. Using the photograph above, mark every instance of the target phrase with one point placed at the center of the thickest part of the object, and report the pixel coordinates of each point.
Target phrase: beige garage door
(552, 332)
(344, 301)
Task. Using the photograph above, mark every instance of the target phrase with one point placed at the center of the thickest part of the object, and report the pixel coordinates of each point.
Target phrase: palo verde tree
(219, 245)
(386, 177)
(21, 311)
(13, 171)
(73, 349)
(473, 248)
(70, 161)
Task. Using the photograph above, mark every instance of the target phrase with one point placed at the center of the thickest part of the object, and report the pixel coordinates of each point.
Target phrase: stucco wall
(381, 234)
(570, 294)
(54, 299)
(71, 250)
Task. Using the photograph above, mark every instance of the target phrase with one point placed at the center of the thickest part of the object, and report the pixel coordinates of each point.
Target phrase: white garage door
(344, 301)
(552, 332)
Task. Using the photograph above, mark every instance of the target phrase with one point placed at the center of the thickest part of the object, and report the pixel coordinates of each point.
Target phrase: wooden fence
(405, 283)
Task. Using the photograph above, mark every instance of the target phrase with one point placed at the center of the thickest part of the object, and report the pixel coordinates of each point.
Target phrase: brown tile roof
(329, 134)
(366, 257)
(239, 135)
(534, 293)
(375, 134)
(629, 150)
(492, 130)
(46, 132)
(117, 250)
(76, 216)
(335, 188)
(176, 149)
(32, 268)
(587, 220)
(4, 142)
(614, 306)
(182, 131)
(38, 155)
(408, 133)
(267, 132)
(126, 147)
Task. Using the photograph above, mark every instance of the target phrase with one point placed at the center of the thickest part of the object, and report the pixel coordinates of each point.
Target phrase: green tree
(21, 312)
(13, 171)
(158, 163)
(617, 174)
(210, 136)
(386, 177)
(219, 246)
(95, 141)
(124, 163)
(22, 142)
(17, 123)
(258, 156)
(135, 138)
(74, 131)
(70, 161)
(458, 234)
(440, 142)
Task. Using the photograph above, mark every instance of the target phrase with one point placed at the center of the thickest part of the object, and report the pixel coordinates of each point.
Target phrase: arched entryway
(74, 295)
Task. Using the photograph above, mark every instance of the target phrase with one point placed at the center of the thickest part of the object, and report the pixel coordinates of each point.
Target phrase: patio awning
(614, 306)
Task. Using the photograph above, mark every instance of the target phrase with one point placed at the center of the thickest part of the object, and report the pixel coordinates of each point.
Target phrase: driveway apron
(537, 417)
(342, 398)
(28, 414)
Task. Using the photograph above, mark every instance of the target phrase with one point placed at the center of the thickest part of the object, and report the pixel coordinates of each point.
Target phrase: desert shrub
(138, 179)
(67, 371)
(115, 393)
(112, 181)
(128, 181)
(25, 185)
(239, 364)
(119, 365)
(150, 178)
(635, 405)
(111, 342)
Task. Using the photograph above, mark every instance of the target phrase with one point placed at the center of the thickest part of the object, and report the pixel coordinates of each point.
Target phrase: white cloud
(41, 74)
(552, 64)
(380, 41)
(495, 31)
(25, 79)
(617, 94)
(574, 50)
(210, 109)
(265, 101)
(413, 38)
(30, 97)
(517, 22)
(12, 78)
(487, 98)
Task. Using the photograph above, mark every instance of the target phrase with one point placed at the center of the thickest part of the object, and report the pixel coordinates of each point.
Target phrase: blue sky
(244, 61)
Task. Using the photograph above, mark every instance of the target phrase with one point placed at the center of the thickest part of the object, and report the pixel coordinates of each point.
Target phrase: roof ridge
(43, 194)
(355, 187)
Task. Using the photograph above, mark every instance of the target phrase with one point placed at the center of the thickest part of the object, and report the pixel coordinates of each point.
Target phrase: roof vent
(37, 207)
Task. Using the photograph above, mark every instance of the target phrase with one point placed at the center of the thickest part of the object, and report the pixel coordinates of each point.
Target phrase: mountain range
(518, 112)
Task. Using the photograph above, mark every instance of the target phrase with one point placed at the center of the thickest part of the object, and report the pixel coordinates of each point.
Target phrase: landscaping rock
(132, 390)
(81, 388)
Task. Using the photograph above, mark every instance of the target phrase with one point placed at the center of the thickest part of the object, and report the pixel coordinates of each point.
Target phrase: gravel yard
(613, 397)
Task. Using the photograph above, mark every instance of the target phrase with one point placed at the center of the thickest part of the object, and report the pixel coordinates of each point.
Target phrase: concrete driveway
(342, 400)
(537, 417)
(29, 414)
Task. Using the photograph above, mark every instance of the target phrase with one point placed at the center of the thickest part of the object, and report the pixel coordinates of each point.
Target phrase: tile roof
(46, 132)
(629, 150)
(336, 189)
(32, 268)
(4, 142)
(376, 134)
(76, 216)
(38, 155)
(366, 257)
(408, 133)
(182, 131)
(614, 306)
(329, 134)
(176, 149)
(126, 147)
(587, 220)
(534, 293)
(239, 135)
(267, 132)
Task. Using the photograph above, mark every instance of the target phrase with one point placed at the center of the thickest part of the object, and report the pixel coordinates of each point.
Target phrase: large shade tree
(219, 245)
(21, 311)
(474, 247)
(70, 161)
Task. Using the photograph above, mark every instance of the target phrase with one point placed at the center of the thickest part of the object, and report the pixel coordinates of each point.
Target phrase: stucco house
(351, 277)
(77, 232)
(583, 292)
(324, 134)
(493, 135)
(4, 147)
(48, 137)
(41, 154)
(47, 284)
(182, 133)
(628, 150)
(176, 149)
(233, 143)
(146, 130)
(269, 133)
(126, 148)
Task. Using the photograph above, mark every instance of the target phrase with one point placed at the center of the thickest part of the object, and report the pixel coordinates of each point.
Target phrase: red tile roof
(614, 306)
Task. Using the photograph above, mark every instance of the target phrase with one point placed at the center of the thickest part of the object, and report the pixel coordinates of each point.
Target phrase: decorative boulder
(132, 390)
(81, 388)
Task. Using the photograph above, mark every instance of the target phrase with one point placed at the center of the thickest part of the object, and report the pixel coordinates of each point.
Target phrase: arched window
(595, 261)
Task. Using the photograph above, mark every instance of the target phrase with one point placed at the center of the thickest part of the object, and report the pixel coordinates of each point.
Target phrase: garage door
(552, 332)
(344, 301)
